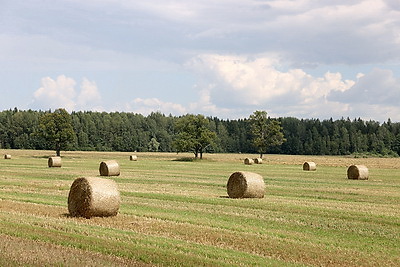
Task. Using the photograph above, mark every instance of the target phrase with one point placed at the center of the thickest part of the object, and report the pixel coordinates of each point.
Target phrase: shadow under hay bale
(7, 156)
(109, 168)
(309, 166)
(93, 197)
(133, 158)
(245, 185)
(54, 162)
(248, 161)
(357, 172)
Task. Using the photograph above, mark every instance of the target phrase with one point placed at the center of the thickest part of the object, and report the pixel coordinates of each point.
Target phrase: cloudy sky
(225, 58)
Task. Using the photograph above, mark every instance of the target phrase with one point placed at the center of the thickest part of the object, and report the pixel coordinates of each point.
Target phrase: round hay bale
(93, 197)
(7, 156)
(54, 162)
(309, 166)
(245, 185)
(133, 157)
(248, 161)
(258, 160)
(109, 168)
(358, 172)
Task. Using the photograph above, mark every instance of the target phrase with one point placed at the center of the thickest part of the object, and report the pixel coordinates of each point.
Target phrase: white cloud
(89, 95)
(379, 87)
(61, 93)
(148, 105)
(240, 81)
(55, 94)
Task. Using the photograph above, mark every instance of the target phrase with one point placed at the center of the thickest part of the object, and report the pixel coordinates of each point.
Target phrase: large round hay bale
(109, 168)
(248, 161)
(358, 172)
(54, 162)
(7, 156)
(93, 197)
(245, 185)
(258, 160)
(309, 166)
(133, 157)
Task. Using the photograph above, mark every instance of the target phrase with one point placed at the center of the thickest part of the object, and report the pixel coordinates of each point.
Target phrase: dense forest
(122, 131)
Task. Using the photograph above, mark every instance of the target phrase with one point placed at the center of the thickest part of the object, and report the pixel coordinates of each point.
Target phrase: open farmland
(176, 212)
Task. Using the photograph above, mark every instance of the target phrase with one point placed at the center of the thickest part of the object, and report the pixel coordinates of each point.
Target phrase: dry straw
(358, 172)
(133, 157)
(93, 197)
(7, 156)
(258, 160)
(109, 168)
(309, 166)
(245, 185)
(248, 161)
(54, 162)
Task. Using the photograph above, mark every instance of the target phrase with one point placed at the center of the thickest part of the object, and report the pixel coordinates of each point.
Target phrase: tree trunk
(58, 149)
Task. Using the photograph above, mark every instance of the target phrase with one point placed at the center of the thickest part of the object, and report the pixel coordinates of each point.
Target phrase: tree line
(124, 131)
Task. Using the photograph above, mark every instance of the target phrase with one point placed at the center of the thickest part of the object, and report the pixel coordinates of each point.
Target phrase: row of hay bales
(107, 168)
(249, 161)
(355, 172)
(358, 172)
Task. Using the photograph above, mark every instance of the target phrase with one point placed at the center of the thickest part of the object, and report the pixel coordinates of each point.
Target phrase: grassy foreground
(176, 213)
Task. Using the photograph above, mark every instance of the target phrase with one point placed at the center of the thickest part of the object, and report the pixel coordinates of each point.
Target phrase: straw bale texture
(309, 166)
(93, 197)
(245, 185)
(54, 162)
(358, 172)
(258, 160)
(109, 168)
(248, 161)
(133, 157)
(7, 156)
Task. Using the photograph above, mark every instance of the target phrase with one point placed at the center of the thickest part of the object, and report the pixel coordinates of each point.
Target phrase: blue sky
(300, 58)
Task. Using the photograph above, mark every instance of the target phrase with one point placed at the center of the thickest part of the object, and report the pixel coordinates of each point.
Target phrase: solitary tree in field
(56, 128)
(266, 132)
(193, 135)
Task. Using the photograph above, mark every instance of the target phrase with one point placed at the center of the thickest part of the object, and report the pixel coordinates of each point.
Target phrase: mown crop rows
(177, 212)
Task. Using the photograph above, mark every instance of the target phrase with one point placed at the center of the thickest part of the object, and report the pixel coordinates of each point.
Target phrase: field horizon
(176, 212)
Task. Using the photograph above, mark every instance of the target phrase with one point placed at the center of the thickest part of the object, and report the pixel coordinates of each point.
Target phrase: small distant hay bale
(248, 161)
(54, 162)
(7, 156)
(93, 197)
(357, 172)
(133, 158)
(258, 160)
(245, 185)
(309, 166)
(109, 168)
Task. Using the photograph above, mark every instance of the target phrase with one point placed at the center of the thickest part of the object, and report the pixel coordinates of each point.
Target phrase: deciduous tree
(266, 132)
(56, 128)
(193, 134)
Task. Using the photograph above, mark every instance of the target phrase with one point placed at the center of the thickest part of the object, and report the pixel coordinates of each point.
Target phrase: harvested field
(178, 212)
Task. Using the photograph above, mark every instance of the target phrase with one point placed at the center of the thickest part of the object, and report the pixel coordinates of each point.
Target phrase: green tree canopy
(193, 134)
(266, 132)
(56, 128)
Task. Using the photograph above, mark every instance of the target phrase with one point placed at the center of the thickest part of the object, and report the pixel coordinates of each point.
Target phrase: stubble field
(177, 213)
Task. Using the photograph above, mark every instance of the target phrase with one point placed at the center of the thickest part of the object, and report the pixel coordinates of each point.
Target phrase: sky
(226, 58)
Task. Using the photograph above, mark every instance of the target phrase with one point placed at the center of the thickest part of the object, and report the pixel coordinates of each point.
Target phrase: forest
(124, 131)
